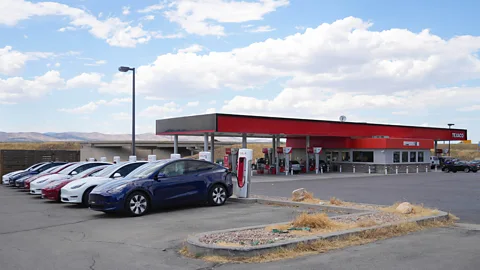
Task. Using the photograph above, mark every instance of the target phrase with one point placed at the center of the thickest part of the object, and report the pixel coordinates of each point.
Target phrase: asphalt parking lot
(458, 193)
(38, 234)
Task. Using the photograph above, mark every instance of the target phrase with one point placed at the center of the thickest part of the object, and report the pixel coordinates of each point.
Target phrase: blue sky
(409, 62)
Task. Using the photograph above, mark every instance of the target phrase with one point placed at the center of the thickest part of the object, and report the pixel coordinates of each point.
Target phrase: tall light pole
(126, 69)
(449, 127)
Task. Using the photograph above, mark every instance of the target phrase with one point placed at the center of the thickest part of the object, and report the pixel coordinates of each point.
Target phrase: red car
(54, 170)
(52, 191)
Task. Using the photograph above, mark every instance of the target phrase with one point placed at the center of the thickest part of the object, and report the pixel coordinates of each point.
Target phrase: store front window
(396, 157)
(346, 156)
(363, 156)
(404, 156)
(413, 156)
(420, 156)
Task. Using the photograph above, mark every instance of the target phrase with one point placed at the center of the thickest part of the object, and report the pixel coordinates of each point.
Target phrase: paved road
(458, 193)
(40, 235)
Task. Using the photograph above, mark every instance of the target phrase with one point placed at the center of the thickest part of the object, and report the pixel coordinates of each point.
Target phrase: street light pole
(449, 127)
(126, 69)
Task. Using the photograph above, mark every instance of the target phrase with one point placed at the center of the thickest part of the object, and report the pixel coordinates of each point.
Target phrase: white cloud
(57, 64)
(204, 17)
(85, 80)
(156, 111)
(114, 31)
(96, 63)
(151, 8)
(148, 18)
(126, 10)
(470, 108)
(25, 36)
(68, 28)
(300, 27)
(153, 98)
(193, 104)
(17, 88)
(354, 59)
(262, 29)
(94, 105)
(12, 62)
(192, 49)
(211, 110)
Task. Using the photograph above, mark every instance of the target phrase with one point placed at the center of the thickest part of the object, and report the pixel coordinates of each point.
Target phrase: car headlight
(117, 189)
(77, 186)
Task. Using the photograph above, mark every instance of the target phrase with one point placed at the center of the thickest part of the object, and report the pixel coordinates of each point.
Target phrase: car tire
(137, 204)
(217, 195)
(85, 196)
(466, 170)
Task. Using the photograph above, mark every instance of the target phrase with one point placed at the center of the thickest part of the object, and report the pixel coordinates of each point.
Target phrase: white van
(434, 161)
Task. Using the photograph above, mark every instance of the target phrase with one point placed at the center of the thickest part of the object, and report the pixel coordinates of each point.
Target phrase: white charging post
(152, 158)
(316, 151)
(116, 159)
(91, 159)
(175, 156)
(244, 170)
(132, 158)
(103, 159)
(205, 156)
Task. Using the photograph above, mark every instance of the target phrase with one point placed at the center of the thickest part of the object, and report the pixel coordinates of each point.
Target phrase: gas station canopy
(231, 125)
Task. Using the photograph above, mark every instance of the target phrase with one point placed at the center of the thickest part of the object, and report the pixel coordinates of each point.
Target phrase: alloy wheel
(219, 195)
(138, 204)
(466, 170)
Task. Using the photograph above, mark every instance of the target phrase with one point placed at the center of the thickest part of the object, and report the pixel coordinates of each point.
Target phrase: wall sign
(405, 143)
(458, 135)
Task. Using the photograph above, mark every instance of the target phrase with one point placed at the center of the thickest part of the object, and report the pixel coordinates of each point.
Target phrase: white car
(77, 191)
(37, 185)
(6, 177)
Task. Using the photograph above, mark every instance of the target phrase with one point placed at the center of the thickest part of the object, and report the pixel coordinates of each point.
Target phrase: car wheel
(137, 204)
(467, 170)
(85, 196)
(217, 195)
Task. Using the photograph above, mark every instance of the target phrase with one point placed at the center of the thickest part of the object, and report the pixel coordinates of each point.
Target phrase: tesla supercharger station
(103, 159)
(316, 151)
(244, 169)
(152, 158)
(91, 159)
(132, 158)
(175, 156)
(287, 151)
(205, 156)
(116, 159)
(232, 157)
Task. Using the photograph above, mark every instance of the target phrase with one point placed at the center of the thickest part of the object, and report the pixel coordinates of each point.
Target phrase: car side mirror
(159, 176)
(117, 175)
(74, 173)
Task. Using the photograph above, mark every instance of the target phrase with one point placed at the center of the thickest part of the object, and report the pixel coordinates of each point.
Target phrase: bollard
(328, 168)
(407, 169)
(340, 168)
(316, 171)
(435, 168)
(386, 171)
(369, 170)
(353, 168)
(321, 170)
(396, 169)
(426, 169)
(417, 168)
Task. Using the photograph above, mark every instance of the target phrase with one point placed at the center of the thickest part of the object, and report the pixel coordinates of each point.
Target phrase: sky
(397, 62)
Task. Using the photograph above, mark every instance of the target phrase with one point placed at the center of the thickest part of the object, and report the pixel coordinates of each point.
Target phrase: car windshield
(69, 169)
(89, 172)
(108, 171)
(146, 170)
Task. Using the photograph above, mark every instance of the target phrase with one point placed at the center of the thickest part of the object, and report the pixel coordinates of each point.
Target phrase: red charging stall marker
(240, 180)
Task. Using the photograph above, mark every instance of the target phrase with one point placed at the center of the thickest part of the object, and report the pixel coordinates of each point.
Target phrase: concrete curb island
(194, 246)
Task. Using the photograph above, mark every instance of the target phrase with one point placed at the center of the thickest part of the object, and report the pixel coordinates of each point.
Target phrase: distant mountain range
(95, 136)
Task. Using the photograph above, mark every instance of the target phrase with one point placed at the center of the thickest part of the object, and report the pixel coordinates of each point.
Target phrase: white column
(213, 147)
(307, 144)
(205, 142)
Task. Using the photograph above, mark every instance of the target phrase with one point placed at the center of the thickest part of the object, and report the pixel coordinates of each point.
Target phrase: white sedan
(77, 191)
(39, 183)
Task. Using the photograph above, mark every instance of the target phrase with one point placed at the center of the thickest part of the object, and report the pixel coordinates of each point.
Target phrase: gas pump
(280, 159)
(287, 151)
(205, 156)
(268, 157)
(316, 151)
(310, 159)
(242, 188)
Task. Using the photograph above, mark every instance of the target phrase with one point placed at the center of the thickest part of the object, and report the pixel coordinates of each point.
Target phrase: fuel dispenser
(244, 173)
(310, 159)
(232, 155)
(205, 156)
(316, 151)
(287, 151)
(268, 157)
(280, 160)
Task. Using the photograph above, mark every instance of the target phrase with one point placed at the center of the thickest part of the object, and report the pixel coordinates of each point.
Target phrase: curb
(198, 248)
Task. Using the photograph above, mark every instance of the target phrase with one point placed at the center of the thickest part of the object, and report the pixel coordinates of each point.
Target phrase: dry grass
(418, 210)
(462, 151)
(41, 146)
(323, 246)
(366, 223)
(308, 198)
(315, 221)
(335, 201)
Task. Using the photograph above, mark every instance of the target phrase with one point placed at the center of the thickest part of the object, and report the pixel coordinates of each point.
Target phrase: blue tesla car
(164, 183)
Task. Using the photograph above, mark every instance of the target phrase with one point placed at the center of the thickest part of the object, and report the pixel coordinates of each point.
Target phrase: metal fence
(14, 160)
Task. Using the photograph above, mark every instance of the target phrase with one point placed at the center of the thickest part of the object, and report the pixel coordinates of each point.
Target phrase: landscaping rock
(405, 208)
(299, 194)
